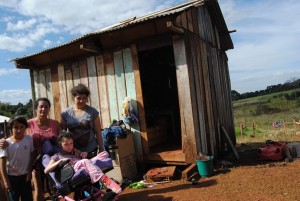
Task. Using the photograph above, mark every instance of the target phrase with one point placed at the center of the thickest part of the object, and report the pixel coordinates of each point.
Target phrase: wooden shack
(173, 65)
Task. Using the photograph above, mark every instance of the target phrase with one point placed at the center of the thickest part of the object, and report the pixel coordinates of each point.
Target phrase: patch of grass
(262, 111)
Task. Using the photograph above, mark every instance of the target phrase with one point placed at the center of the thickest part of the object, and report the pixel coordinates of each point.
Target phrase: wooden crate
(157, 133)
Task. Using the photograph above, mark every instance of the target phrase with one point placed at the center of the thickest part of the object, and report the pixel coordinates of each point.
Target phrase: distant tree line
(9, 110)
(293, 84)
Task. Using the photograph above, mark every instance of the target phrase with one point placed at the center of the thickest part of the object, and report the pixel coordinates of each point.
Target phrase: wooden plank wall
(185, 101)
(209, 79)
(110, 77)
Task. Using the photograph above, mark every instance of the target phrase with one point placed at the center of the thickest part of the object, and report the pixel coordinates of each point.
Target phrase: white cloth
(18, 154)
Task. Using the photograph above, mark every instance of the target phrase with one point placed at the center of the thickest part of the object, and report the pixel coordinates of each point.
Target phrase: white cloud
(21, 24)
(4, 71)
(21, 41)
(47, 43)
(15, 96)
(15, 43)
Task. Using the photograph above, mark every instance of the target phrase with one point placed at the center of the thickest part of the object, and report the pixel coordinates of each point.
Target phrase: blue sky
(266, 42)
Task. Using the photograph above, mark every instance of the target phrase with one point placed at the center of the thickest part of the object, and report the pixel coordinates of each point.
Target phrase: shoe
(111, 184)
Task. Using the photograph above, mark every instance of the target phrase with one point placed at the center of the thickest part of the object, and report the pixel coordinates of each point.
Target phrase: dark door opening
(160, 94)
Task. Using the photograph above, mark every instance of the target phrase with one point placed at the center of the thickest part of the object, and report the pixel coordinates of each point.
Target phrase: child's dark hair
(64, 134)
(17, 119)
(36, 103)
(80, 89)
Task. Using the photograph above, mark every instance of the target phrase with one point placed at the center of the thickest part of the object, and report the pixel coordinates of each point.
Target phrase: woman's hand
(77, 152)
(7, 185)
(83, 154)
(3, 143)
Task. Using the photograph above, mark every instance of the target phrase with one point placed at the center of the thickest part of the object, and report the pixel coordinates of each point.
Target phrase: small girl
(65, 141)
(16, 174)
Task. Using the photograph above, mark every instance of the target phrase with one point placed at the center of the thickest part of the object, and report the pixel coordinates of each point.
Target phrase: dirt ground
(246, 179)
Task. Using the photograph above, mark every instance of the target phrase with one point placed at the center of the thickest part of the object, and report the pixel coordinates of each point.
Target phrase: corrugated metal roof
(128, 22)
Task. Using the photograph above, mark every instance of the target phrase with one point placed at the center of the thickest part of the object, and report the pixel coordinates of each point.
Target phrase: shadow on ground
(151, 194)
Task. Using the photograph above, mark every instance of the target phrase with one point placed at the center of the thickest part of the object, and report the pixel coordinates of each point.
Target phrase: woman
(43, 130)
(66, 143)
(84, 122)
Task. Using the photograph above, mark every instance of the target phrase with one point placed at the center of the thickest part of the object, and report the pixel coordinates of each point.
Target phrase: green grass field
(262, 111)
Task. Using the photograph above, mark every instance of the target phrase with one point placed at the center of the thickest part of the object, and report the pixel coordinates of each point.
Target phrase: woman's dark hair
(80, 89)
(17, 119)
(36, 104)
(64, 134)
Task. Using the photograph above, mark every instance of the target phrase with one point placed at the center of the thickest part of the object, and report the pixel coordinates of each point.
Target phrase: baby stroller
(64, 181)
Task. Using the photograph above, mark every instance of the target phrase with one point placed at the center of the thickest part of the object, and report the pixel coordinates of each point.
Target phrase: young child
(16, 174)
(65, 141)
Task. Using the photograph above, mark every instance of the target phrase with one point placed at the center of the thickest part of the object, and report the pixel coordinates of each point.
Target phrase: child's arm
(52, 165)
(30, 167)
(4, 173)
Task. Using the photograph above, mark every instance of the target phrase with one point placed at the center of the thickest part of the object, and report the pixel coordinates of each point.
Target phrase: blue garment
(110, 134)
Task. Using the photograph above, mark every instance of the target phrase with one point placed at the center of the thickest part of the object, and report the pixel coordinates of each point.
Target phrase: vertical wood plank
(202, 112)
(185, 105)
(195, 21)
(120, 80)
(139, 99)
(62, 87)
(36, 83)
(206, 77)
(102, 87)
(49, 91)
(42, 83)
(112, 94)
(56, 93)
(83, 72)
(76, 73)
(195, 91)
(32, 89)
(190, 20)
(69, 85)
(131, 91)
(201, 23)
(184, 20)
(93, 82)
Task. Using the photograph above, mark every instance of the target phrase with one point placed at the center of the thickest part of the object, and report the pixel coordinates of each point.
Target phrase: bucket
(205, 166)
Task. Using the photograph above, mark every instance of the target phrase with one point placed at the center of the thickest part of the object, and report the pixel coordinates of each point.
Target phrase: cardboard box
(127, 169)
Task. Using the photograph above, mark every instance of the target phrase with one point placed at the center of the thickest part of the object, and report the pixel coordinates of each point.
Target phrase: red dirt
(247, 179)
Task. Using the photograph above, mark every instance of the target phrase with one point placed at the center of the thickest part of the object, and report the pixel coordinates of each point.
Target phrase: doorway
(160, 96)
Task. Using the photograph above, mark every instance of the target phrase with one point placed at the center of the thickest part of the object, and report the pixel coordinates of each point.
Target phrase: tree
(19, 109)
(235, 95)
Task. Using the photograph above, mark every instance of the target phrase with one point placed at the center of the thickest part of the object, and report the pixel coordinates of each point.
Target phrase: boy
(16, 174)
